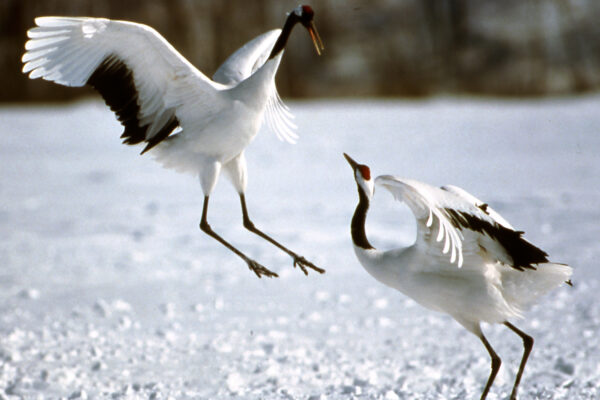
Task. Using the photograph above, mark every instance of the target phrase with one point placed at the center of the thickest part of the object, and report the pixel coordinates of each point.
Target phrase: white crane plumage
(467, 260)
(189, 122)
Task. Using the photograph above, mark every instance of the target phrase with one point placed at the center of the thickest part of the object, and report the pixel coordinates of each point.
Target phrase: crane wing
(469, 198)
(247, 59)
(452, 220)
(138, 73)
(242, 64)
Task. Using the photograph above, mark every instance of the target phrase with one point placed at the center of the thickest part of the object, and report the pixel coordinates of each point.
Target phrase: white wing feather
(279, 118)
(68, 50)
(242, 64)
(468, 197)
(423, 200)
(247, 59)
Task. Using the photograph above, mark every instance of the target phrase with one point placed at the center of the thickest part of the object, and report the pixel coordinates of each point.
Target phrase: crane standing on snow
(491, 274)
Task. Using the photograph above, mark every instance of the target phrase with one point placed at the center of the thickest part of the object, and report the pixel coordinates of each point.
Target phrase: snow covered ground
(109, 290)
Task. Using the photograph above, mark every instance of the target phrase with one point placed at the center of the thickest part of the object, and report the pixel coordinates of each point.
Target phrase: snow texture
(108, 289)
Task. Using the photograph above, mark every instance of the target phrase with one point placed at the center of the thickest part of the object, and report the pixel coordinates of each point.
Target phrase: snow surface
(109, 290)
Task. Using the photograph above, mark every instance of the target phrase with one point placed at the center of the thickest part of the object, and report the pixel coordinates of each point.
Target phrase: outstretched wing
(452, 220)
(242, 64)
(138, 73)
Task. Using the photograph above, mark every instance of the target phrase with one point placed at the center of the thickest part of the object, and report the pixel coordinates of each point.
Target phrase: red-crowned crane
(187, 121)
(467, 261)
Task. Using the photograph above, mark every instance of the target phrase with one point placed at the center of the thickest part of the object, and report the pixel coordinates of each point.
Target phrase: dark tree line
(373, 48)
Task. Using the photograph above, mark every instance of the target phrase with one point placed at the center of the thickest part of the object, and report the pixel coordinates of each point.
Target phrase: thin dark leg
(298, 260)
(496, 361)
(258, 269)
(527, 346)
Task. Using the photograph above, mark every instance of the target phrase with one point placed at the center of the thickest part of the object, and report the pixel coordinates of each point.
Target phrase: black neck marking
(113, 79)
(290, 22)
(357, 227)
(523, 253)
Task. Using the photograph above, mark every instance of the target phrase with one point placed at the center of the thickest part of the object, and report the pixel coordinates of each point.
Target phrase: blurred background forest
(372, 48)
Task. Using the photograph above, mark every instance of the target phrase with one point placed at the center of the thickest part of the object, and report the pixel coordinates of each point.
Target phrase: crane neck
(357, 226)
(290, 22)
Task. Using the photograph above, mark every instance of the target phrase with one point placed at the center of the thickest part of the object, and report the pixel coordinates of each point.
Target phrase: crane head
(306, 16)
(362, 176)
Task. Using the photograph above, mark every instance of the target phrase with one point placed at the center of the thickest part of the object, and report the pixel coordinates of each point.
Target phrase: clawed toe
(261, 270)
(302, 263)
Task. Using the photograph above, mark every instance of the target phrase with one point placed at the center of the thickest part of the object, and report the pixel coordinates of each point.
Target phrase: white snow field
(108, 289)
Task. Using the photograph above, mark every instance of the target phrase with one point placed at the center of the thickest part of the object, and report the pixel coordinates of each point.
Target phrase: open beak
(352, 163)
(314, 35)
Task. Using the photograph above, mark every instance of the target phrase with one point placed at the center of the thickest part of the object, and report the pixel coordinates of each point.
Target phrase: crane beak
(314, 35)
(352, 163)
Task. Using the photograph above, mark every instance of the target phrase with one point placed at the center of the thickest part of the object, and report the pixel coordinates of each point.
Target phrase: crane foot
(260, 270)
(303, 263)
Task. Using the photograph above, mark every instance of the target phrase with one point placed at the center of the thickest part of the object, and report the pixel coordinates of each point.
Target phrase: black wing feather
(114, 80)
(523, 253)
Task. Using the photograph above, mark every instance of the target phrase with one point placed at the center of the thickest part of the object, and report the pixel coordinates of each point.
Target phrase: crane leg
(255, 267)
(527, 346)
(496, 362)
(299, 261)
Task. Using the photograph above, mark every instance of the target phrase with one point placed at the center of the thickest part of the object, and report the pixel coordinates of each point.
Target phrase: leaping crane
(189, 122)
